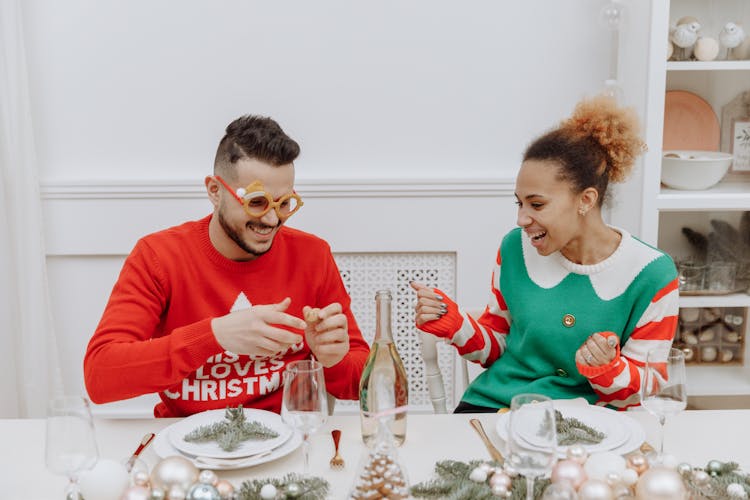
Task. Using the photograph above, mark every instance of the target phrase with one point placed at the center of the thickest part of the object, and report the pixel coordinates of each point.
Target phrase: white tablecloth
(692, 436)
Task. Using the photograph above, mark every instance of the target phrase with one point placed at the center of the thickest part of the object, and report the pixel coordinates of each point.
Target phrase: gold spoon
(494, 452)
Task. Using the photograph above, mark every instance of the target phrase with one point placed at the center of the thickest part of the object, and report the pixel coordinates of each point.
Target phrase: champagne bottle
(383, 385)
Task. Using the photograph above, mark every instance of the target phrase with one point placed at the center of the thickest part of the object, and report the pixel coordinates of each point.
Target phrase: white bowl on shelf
(686, 169)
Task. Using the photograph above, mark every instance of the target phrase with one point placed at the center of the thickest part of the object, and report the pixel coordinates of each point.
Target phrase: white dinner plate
(610, 422)
(212, 449)
(163, 448)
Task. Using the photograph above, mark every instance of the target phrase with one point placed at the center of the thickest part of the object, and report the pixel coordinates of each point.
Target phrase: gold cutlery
(145, 441)
(337, 462)
(493, 451)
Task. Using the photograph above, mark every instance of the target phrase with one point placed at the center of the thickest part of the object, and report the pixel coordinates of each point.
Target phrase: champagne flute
(304, 405)
(532, 437)
(664, 389)
(71, 443)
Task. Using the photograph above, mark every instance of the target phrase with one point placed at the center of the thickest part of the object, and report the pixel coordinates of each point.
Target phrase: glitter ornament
(510, 470)
(136, 493)
(569, 470)
(660, 483)
(577, 453)
(174, 471)
(478, 475)
(203, 491)
(595, 489)
(268, 491)
(225, 489)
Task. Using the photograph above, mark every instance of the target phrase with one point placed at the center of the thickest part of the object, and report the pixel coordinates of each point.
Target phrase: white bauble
(706, 49)
(107, 480)
(600, 464)
(174, 471)
(660, 483)
(595, 489)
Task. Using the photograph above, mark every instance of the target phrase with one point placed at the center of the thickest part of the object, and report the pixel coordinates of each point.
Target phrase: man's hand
(252, 331)
(328, 334)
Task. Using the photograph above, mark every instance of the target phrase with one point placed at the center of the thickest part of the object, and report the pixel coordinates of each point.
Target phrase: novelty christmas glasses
(257, 202)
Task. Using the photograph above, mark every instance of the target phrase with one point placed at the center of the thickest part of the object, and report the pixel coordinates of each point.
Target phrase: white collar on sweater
(609, 278)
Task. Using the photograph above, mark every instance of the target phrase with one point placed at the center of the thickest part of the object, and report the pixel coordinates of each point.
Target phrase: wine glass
(664, 389)
(71, 444)
(304, 405)
(532, 437)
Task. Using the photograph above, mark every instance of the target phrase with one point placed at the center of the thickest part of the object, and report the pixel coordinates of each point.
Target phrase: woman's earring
(581, 211)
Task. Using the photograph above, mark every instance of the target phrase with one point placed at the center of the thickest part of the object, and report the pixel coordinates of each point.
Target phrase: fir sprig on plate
(290, 486)
(232, 431)
(572, 431)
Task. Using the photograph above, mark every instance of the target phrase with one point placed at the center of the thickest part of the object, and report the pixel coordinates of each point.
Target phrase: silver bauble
(174, 471)
(660, 483)
(203, 491)
(208, 477)
(158, 494)
(713, 467)
(293, 490)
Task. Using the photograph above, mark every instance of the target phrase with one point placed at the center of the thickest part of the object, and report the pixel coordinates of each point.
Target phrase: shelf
(730, 300)
(727, 195)
(716, 380)
(708, 65)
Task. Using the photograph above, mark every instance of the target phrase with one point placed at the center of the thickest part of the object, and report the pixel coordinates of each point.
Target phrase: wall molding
(312, 188)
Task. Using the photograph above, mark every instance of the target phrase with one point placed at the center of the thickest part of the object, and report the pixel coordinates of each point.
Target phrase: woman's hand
(598, 350)
(429, 305)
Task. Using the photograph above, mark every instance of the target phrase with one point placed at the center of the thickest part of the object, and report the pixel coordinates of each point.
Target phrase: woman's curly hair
(597, 144)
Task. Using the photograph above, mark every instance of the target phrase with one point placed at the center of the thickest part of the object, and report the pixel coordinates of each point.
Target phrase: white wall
(412, 117)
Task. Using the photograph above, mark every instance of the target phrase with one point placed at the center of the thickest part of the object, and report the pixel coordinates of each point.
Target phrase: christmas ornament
(268, 491)
(559, 491)
(293, 490)
(176, 492)
(713, 467)
(735, 490)
(174, 471)
(478, 475)
(577, 453)
(501, 480)
(569, 470)
(208, 477)
(158, 494)
(225, 489)
(637, 462)
(684, 469)
(136, 493)
(660, 483)
(700, 477)
(629, 477)
(595, 489)
(140, 478)
(202, 491)
(107, 480)
(600, 464)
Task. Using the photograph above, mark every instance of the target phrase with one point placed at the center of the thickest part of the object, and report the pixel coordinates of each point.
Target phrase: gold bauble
(174, 471)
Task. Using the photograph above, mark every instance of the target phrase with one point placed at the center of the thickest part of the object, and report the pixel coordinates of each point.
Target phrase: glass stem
(529, 488)
(71, 492)
(306, 453)
(662, 420)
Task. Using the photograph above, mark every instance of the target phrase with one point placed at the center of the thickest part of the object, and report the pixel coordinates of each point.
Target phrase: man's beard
(237, 238)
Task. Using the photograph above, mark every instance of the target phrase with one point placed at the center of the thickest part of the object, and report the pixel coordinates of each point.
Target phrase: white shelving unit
(664, 210)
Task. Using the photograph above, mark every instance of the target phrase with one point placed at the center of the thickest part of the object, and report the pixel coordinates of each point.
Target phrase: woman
(575, 304)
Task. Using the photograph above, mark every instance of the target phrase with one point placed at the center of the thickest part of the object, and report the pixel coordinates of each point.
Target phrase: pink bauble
(136, 493)
(568, 470)
(224, 488)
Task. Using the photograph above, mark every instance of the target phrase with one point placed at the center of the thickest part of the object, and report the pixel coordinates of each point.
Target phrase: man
(209, 313)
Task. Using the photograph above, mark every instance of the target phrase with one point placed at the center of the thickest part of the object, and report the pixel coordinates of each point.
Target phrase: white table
(693, 436)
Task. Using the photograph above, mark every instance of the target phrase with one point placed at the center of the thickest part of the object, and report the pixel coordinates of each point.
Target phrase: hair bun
(615, 128)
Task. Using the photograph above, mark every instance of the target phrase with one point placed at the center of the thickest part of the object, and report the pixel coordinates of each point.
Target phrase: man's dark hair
(255, 137)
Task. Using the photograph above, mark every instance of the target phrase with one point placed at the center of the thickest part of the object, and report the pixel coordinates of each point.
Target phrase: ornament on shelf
(731, 35)
(706, 48)
(684, 36)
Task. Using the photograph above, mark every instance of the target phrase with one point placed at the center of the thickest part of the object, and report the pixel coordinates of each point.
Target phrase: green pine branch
(232, 431)
(290, 486)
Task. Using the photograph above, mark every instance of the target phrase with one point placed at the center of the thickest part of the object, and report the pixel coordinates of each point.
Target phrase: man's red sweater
(155, 334)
